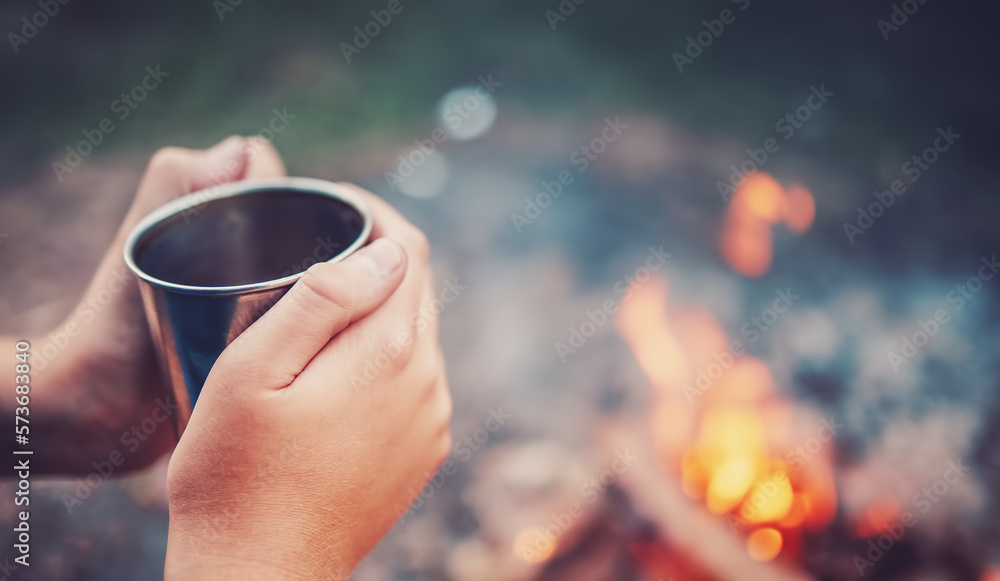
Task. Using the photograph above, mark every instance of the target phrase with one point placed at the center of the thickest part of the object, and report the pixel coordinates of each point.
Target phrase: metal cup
(211, 263)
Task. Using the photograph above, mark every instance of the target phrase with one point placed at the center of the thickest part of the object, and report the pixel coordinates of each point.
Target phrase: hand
(315, 422)
(96, 375)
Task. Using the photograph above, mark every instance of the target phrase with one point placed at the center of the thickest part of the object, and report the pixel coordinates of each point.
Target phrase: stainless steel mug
(211, 263)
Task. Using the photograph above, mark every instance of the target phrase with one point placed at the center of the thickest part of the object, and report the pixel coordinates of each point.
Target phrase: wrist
(240, 546)
(210, 567)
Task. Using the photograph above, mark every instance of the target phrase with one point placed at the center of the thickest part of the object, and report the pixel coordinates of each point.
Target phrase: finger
(171, 173)
(387, 221)
(382, 343)
(263, 160)
(427, 303)
(174, 171)
(401, 313)
(328, 297)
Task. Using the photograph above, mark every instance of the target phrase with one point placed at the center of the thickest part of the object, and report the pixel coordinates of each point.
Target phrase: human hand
(286, 470)
(96, 376)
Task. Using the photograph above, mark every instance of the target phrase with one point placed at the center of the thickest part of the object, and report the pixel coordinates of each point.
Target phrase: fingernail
(381, 257)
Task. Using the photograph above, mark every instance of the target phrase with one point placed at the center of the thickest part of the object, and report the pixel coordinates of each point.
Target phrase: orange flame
(746, 245)
(728, 443)
(746, 242)
(799, 209)
(771, 498)
(760, 196)
(645, 324)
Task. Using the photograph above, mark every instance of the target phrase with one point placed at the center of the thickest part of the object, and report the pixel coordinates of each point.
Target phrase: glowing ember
(533, 545)
(877, 516)
(764, 544)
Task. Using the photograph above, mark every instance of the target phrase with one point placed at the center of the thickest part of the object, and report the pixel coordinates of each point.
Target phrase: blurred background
(725, 307)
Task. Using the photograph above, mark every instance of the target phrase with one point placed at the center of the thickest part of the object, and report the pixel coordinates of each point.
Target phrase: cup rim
(244, 187)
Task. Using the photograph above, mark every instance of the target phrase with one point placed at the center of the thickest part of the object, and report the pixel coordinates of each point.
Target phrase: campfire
(718, 422)
(720, 427)
(740, 482)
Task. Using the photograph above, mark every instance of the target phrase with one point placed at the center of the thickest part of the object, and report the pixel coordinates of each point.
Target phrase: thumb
(325, 300)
